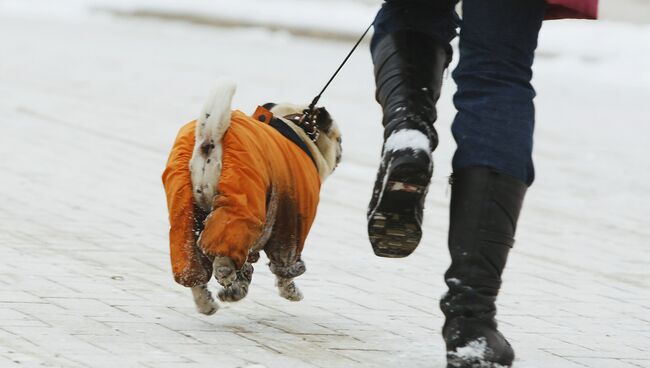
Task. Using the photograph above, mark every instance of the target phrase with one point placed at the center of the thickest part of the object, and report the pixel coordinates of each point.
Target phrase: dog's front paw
(224, 271)
(205, 304)
(234, 293)
(290, 291)
(239, 288)
(208, 308)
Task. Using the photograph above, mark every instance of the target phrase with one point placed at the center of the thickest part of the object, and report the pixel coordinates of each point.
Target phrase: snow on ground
(90, 102)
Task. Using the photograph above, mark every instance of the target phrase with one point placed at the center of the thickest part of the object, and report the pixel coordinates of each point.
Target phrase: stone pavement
(88, 109)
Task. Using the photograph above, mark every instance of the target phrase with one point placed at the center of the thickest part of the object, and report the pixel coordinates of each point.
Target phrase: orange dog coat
(263, 173)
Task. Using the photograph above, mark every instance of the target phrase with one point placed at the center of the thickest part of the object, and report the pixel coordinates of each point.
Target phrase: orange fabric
(262, 114)
(188, 266)
(257, 161)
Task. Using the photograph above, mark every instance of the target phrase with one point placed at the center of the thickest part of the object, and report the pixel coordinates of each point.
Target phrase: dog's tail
(205, 165)
(215, 116)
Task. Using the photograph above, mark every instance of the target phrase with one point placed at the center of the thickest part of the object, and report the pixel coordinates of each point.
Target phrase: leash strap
(308, 120)
(315, 100)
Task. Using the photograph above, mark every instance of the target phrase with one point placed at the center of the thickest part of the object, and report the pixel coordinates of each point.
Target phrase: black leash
(308, 119)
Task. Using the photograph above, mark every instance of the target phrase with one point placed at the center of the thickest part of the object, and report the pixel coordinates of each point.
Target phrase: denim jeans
(496, 115)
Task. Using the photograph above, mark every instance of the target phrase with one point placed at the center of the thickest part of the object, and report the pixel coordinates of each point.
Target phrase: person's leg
(492, 170)
(410, 50)
(435, 18)
(496, 114)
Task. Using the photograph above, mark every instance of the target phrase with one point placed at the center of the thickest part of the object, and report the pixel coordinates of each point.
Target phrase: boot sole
(393, 230)
(455, 362)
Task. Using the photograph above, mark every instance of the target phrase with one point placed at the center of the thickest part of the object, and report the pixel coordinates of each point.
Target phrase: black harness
(284, 129)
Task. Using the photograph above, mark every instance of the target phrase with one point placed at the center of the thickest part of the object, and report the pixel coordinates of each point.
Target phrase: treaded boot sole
(393, 227)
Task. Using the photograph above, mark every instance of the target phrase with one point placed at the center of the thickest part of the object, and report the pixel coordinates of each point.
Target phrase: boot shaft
(408, 72)
(484, 210)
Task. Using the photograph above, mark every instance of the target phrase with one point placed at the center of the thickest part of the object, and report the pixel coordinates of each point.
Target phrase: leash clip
(309, 123)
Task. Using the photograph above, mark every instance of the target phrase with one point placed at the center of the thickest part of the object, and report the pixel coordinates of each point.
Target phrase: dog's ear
(323, 120)
(269, 105)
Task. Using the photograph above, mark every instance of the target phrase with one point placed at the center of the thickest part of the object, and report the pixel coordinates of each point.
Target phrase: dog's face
(329, 137)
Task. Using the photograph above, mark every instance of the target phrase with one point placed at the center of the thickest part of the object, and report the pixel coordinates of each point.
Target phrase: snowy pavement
(90, 104)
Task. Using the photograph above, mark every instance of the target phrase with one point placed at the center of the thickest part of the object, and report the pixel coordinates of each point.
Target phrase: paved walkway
(88, 110)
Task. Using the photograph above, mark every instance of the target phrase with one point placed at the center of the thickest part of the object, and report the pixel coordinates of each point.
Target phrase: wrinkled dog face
(329, 139)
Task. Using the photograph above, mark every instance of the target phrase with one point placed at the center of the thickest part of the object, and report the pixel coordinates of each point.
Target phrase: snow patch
(407, 139)
(473, 350)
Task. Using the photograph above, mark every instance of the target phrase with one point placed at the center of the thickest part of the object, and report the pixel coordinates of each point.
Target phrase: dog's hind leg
(203, 299)
(238, 289)
(288, 289)
(284, 276)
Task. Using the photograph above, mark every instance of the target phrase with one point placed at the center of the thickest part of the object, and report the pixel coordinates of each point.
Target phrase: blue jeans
(496, 115)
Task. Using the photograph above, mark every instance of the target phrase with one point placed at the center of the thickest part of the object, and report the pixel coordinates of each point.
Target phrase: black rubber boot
(484, 209)
(408, 72)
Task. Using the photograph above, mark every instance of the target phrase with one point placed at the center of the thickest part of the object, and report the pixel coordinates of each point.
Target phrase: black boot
(484, 209)
(408, 73)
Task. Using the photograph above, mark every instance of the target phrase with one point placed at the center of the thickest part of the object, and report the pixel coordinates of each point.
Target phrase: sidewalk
(89, 108)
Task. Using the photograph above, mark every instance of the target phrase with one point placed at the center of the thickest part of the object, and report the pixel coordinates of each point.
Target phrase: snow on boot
(484, 209)
(470, 331)
(408, 73)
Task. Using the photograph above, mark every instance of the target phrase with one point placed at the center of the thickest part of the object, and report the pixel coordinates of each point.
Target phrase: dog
(237, 185)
